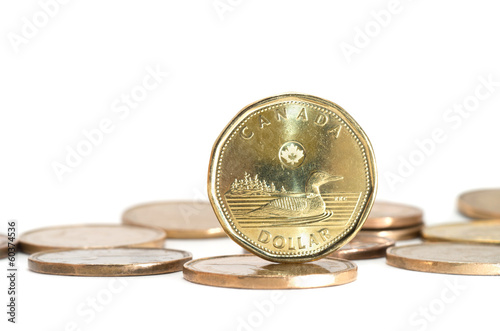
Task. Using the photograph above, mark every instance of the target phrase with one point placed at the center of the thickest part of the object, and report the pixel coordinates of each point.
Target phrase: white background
(65, 77)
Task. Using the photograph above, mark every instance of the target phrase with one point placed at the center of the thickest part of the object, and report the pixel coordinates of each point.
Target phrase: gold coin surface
(292, 178)
(484, 232)
(109, 262)
(251, 272)
(407, 233)
(390, 215)
(4, 246)
(180, 219)
(483, 204)
(363, 246)
(91, 236)
(447, 258)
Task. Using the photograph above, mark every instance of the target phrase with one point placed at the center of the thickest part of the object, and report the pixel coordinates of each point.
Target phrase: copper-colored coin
(91, 236)
(4, 246)
(396, 234)
(481, 232)
(363, 246)
(390, 215)
(180, 219)
(483, 204)
(447, 258)
(109, 262)
(252, 272)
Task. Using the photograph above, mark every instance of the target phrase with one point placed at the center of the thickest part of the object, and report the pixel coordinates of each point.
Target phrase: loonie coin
(292, 178)
(4, 246)
(447, 258)
(109, 262)
(481, 232)
(252, 272)
(410, 232)
(363, 246)
(390, 215)
(180, 219)
(483, 204)
(91, 236)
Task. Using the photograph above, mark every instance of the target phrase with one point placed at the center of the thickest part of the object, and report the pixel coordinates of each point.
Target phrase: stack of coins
(394, 221)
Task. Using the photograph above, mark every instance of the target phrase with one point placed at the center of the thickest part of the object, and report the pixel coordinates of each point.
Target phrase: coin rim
(469, 210)
(407, 233)
(233, 124)
(392, 222)
(268, 282)
(372, 253)
(30, 248)
(177, 233)
(430, 237)
(443, 267)
(107, 270)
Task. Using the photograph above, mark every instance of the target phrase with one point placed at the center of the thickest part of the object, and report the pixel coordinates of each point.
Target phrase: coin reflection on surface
(252, 272)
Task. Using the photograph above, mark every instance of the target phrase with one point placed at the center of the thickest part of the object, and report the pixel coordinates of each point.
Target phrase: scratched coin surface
(180, 219)
(362, 247)
(252, 272)
(447, 258)
(292, 178)
(484, 232)
(483, 204)
(389, 215)
(4, 246)
(91, 236)
(407, 233)
(109, 262)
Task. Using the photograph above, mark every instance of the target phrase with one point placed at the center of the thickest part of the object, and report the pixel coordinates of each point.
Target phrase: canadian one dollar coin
(292, 178)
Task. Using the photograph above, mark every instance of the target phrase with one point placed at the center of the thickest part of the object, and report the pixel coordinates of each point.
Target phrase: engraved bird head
(318, 178)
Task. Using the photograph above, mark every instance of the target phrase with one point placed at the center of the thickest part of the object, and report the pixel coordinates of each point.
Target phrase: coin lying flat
(481, 232)
(4, 246)
(447, 258)
(109, 262)
(483, 204)
(251, 272)
(385, 215)
(363, 247)
(91, 236)
(180, 219)
(292, 178)
(407, 233)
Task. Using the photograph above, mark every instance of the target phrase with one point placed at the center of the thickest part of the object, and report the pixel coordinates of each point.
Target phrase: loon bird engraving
(310, 205)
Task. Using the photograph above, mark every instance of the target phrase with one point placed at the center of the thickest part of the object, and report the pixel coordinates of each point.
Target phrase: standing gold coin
(91, 236)
(483, 204)
(390, 215)
(362, 247)
(292, 178)
(251, 272)
(4, 246)
(407, 233)
(447, 258)
(180, 219)
(109, 262)
(484, 232)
